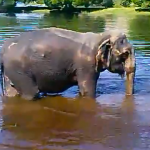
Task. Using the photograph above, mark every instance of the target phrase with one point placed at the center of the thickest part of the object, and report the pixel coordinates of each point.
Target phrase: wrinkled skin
(52, 60)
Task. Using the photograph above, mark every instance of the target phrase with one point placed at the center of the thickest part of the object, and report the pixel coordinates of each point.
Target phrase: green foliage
(40, 1)
(86, 3)
(145, 4)
(122, 3)
(81, 2)
(107, 3)
(130, 3)
(8, 2)
(138, 2)
(1, 2)
(117, 3)
(53, 3)
(125, 3)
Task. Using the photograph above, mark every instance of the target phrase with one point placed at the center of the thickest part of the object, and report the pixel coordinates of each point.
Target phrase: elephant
(51, 60)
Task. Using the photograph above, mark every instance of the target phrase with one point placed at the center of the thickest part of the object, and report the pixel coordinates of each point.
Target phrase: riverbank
(45, 9)
(109, 11)
(117, 11)
(41, 11)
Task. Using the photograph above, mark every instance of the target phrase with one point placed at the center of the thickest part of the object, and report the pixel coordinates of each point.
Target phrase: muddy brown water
(112, 122)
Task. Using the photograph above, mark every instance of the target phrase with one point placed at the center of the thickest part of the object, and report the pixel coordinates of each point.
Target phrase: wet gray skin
(54, 59)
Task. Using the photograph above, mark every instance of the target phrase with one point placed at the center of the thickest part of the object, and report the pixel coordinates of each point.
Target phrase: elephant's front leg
(87, 82)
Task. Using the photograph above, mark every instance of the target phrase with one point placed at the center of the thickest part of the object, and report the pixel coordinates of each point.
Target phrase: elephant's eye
(122, 41)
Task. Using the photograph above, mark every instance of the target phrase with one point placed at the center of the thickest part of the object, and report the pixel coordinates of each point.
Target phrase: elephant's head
(117, 55)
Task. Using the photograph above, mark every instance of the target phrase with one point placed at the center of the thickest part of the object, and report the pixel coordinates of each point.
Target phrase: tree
(137, 2)
(107, 3)
(146, 4)
(53, 3)
(85, 3)
(7, 2)
(67, 3)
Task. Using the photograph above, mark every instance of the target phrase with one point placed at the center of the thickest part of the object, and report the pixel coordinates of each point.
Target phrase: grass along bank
(114, 11)
(41, 11)
(117, 11)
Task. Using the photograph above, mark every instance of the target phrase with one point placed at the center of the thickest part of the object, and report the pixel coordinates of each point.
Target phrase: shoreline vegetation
(127, 11)
(90, 11)
(91, 7)
(119, 11)
(45, 9)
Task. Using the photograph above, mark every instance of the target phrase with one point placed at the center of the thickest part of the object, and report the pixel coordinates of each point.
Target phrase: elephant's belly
(55, 86)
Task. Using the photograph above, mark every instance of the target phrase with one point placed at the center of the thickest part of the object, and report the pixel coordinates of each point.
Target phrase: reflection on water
(71, 123)
(112, 122)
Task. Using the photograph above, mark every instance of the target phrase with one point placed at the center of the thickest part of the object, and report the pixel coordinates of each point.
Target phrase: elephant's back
(39, 46)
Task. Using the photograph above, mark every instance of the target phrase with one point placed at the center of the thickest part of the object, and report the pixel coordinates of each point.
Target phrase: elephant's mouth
(118, 68)
(116, 65)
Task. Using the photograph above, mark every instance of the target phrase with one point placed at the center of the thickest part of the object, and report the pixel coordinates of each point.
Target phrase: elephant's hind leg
(9, 90)
(24, 84)
(29, 90)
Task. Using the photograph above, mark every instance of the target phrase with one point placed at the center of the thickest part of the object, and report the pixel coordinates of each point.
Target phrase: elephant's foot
(10, 91)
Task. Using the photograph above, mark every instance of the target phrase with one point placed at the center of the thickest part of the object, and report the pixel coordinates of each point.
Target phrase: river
(112, 122)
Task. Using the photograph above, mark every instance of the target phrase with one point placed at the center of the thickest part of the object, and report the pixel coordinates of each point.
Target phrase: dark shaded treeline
(13, 9)
(71, 5)
(57, 5)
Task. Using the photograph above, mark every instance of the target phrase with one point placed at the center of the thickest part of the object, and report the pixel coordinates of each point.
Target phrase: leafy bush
(117, 3)
(145, 4)
(125, 3)
(137, 2)
(70, 3)
(107, 3)
(40, 1)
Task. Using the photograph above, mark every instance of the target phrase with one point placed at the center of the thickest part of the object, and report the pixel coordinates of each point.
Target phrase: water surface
(112, 122)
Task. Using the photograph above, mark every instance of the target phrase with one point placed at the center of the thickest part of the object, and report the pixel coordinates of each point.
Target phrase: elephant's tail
(2, 76)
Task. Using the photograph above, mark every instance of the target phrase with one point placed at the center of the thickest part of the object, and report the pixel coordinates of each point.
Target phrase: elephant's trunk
(130, 83)
(130, 73)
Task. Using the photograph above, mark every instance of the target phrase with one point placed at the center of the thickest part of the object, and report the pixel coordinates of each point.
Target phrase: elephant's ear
(103, 52)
